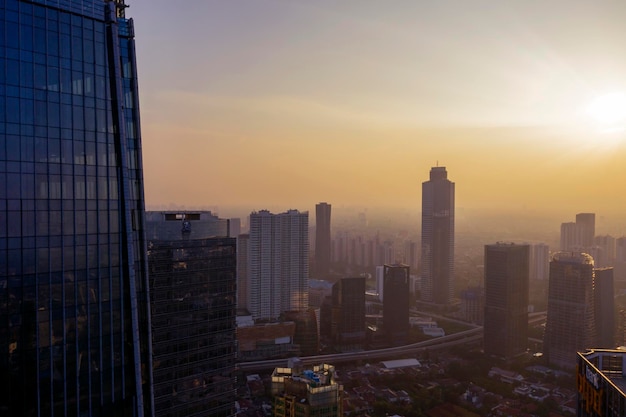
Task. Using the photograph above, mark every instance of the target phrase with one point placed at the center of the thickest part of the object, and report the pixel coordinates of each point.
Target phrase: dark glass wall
(72, 264)
(193, 290)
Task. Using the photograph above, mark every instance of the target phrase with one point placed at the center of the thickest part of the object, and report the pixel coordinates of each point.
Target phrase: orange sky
(266, 103)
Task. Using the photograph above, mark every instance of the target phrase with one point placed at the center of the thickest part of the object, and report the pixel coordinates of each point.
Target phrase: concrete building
(539, 262)
(307, 392)
(438, 238)
(506, 299)
(570, 325)
(586, 223)
(278, 263)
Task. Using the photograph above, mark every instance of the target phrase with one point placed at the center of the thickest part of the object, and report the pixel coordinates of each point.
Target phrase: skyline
(288, 104)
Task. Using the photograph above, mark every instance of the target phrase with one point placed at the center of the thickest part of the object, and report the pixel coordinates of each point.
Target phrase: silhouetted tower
(605, 307)
(586, 223)
(570, 325)
(506, 299)
(322, 238)
(396, 303)
(348, 314)
(438, 238)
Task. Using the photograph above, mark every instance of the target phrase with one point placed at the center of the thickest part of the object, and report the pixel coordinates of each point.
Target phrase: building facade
(539, 262)
(601, 383)
(278, 259)
(570, 323)
(163, 225)
(438, 238)
(604, 299)
(506, 299)
(396, 303)
(193, 293)
(74, 316)
(322, 238)
(307, 392)
(348, 314)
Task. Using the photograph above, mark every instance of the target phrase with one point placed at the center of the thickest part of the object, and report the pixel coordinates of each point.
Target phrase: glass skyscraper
(74, 322)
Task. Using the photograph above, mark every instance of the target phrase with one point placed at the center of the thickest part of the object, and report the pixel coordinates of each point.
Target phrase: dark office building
(570, 322)
(322, 238)
(348, 314)
(600, 383)
(74, 319)
(193, 291)
(506, 299)
(396, 303)
(305, 335)
(605, 308)
(438, 238)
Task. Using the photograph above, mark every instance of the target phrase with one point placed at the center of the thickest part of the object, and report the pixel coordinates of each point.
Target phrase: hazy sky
(291, 102)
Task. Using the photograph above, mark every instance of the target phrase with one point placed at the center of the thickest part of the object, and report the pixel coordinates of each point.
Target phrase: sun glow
(609, 110)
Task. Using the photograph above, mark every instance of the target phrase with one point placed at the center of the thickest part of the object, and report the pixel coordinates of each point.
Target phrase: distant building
(604, 251)
(266, 341)
(438, 238)
(396, 303)
(243, 241)
(506, 299)
(307, 392)
(539, 262)
(306, 335)
(473, 305)
(620, 258)
(587, 225)
(278, 263)
(380, 281)
(570, 237)
(322, 238)
(579, 236)
(348, 314)
(192, 291)
(604, 294)
(600, 382)
(570, 325)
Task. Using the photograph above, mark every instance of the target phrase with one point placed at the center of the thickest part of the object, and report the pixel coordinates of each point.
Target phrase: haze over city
(288, 103)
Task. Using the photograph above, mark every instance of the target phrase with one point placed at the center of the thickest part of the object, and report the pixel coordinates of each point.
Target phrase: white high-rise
(278, 259)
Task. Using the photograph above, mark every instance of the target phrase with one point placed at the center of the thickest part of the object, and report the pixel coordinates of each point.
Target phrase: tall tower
(192, 289)
(278, 259)
(539, 262)
(242, 270)
(396, 303)
(438, 238)
(570, 325)
(604, 294)
(74, 313)
(322, 238)
(586, 223)
(506, 299)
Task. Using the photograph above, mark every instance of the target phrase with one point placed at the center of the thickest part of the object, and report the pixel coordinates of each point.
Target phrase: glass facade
(193, 290)
(73, 293)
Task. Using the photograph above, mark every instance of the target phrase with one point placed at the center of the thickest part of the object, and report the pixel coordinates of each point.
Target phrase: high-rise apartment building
(438, 238)
(578, 236)
(586, 223)
(603, 251)
(348, 314)
(539, 262)
(396, 303)
(74, 316)
(506, 299)
(570, 325)
(278, 263)
(193, 290)
(322, 238)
